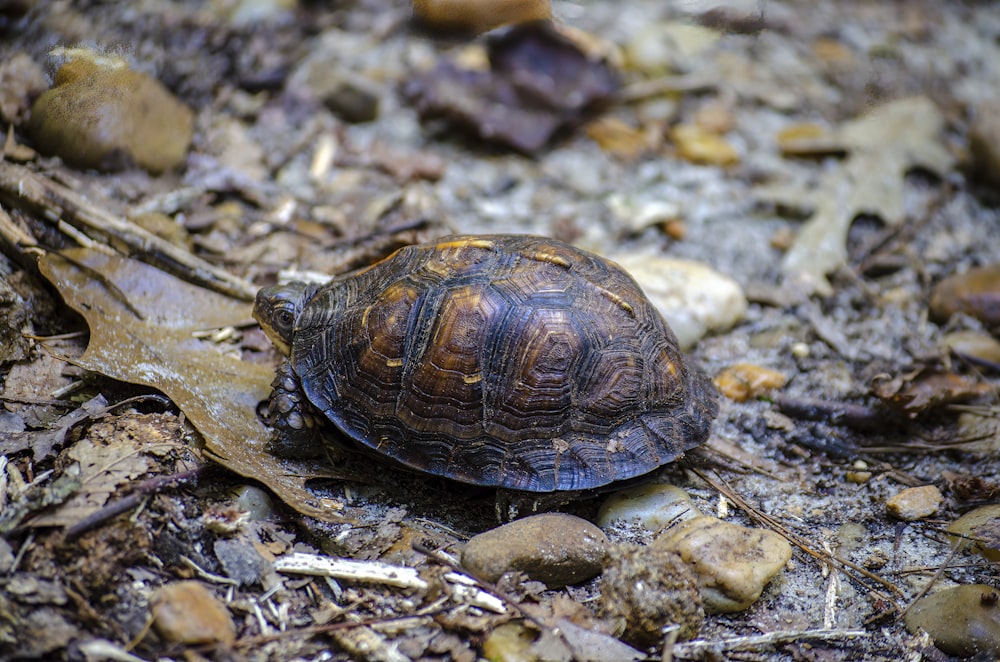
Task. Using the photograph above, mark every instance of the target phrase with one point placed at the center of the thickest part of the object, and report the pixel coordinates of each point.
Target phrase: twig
(20, 186)
(859, 417)
(695, 649)
(360, 571)
(125, 504)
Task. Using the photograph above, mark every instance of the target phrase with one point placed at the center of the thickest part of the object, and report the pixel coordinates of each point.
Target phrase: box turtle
(500, 360)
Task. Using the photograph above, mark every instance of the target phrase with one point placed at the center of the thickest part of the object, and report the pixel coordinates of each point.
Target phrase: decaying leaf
(539, 82)
(103, 467)
(881, 148)
(143, 330)
(916, 393)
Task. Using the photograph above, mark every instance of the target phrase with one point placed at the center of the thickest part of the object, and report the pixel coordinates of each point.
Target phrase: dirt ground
(282, 177)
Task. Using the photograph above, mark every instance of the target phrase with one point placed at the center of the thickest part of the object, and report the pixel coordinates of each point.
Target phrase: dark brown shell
(503, 360)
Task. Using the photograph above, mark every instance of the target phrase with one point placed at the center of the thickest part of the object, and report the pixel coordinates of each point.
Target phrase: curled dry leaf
(142, 331)
(539, 83)
(914, 394)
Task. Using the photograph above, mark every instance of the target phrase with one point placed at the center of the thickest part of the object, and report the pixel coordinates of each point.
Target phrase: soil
(278, 180)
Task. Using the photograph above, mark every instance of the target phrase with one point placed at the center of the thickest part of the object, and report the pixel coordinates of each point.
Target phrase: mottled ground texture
(837, 160)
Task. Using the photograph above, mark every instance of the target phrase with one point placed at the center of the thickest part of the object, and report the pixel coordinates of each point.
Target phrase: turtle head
(277, 308)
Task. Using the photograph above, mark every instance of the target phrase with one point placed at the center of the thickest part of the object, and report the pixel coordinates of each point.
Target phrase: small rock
(254, 501)
(914, 503)
(654, 506)
(859, 473)
(746, 381)
(186, 612)
(648, 588)
(663, 48)
(963, 621)
(250, 12)
(475, 16)
(975, 344)
(733, 563)
(980, 528)
(352, 97)
(101, 114)
(553, 548)
(976, 293)
(693, 298)
(981, 426)
(984, 142)
(241, 560)
(698, 145)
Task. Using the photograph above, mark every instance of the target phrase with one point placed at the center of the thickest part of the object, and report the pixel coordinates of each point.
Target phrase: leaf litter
(560, 191)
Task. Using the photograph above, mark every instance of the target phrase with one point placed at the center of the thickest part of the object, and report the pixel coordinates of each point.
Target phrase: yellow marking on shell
(393, 363)
(473, 379)
(552, 258)
(466, 243)
(618, 301)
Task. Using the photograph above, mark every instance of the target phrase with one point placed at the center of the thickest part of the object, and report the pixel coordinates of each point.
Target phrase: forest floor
(831, 159)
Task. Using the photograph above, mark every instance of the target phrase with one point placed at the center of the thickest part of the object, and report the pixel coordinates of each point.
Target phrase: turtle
(510, 361)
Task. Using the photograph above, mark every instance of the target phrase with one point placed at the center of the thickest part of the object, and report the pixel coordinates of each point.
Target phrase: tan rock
(914, 503)
(747, 381)
(975, 292)
(101, 114)
(980, 530)
(733, 563)
(188, 613)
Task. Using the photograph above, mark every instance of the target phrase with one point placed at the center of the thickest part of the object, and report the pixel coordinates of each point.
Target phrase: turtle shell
(502, 360)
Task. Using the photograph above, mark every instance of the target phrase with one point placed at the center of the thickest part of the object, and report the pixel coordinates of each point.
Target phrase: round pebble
(733, 563)
(694, 298)
(914, 503)
(980, 529)
(975, 292)
(100, 114)
(645, 589)
(963, 621)
(553, 548)
(187, 613)
(654, 506)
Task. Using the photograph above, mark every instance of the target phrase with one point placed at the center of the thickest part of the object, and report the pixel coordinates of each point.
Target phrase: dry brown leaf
(143, 325)
(881, 147)
(102, 469)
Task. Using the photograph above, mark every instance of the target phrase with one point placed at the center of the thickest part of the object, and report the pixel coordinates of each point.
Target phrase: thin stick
(125, 504)
(691, 649)
(20, 186)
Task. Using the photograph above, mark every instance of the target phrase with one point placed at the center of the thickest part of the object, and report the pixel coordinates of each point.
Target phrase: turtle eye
(283, 320)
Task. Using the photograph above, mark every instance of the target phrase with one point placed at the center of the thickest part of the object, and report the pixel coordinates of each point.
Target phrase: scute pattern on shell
(502, 360)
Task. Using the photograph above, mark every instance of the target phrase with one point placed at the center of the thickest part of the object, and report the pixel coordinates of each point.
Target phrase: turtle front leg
(295, 427)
